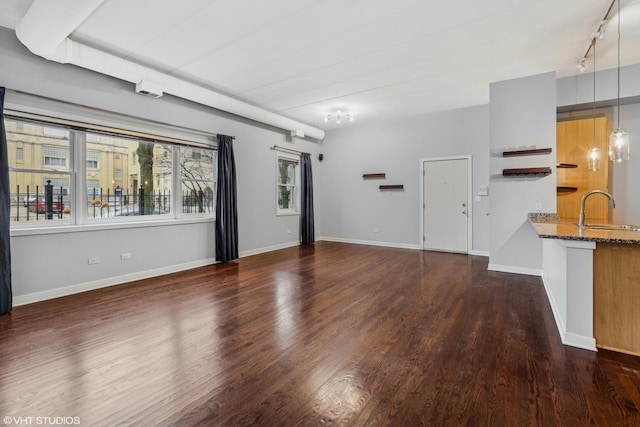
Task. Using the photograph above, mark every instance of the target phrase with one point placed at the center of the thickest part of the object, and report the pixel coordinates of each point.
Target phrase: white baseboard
(268, 249)
(562, 329)
(573, 340)
(479, 253)
(586, 343)
(516, 270)
(103, 283)
(370, 242)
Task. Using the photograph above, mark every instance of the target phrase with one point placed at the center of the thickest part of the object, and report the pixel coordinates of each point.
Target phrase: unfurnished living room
(282, 213)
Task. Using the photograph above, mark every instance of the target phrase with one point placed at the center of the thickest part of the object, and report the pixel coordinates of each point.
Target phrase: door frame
(469, 159)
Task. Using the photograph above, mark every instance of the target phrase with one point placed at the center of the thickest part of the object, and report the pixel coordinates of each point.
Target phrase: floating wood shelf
(566, 165)
(565, 189)
(374, 176)
(527, 172)
(532, 152)
(391, 187)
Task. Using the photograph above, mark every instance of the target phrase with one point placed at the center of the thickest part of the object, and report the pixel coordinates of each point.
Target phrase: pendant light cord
(594, 92)
(618, 64)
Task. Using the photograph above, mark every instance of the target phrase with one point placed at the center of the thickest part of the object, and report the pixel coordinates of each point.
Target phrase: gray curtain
(307, 226)
(6, 298)
(226, 202)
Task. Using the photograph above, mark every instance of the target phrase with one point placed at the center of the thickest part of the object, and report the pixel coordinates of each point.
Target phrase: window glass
(286, 189)
(118, 187)
(197, 176)
(40, 173)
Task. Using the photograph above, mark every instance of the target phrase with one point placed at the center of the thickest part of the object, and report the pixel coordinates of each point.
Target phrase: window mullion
(79, 159)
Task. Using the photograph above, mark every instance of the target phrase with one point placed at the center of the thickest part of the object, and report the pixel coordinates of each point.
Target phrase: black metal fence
(118, 202)
(45, 203)
(53, 203)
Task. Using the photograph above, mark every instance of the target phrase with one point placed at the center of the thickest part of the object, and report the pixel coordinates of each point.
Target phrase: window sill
(33, 231)
(287, 213)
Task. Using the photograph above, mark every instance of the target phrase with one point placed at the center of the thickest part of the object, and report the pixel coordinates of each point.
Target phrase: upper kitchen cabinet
(574, 138)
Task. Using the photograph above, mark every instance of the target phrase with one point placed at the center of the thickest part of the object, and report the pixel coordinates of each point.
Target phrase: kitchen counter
(550, 226)
(591, 277)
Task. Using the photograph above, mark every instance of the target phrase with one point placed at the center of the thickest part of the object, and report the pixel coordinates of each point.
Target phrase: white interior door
(445, 208)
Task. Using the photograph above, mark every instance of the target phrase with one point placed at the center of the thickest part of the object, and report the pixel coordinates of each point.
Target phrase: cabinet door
(616, 297)
(573, 140)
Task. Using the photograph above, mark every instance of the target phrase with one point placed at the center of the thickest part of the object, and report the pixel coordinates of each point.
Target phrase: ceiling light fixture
(619, 139)
(338, 116)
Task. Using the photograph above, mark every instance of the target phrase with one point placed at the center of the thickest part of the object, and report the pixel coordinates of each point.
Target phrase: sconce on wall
(338, 116)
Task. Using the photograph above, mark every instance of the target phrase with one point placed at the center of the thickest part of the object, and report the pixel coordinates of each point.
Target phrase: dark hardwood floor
(328, 334)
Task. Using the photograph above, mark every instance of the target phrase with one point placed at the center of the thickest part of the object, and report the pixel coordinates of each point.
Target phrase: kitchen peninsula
(592, 279)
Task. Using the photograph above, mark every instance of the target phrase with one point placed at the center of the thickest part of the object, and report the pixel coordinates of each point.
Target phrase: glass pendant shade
(593, 162)
(619, 146)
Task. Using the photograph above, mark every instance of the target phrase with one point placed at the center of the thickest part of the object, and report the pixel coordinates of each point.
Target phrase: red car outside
(39, 205)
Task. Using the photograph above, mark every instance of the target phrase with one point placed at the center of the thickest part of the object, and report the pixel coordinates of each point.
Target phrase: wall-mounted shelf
(527, 172)
(391, 187)
(565, 189)
(566, 165)
(374, 176)
(532, 152)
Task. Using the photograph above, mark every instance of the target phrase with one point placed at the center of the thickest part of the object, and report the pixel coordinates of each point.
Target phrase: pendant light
(619, 139)
(593, 161)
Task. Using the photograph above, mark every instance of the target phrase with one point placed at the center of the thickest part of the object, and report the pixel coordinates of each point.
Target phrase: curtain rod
(216, 135)
(275, 147)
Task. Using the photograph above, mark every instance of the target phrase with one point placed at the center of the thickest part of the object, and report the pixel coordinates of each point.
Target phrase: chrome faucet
(612, 203)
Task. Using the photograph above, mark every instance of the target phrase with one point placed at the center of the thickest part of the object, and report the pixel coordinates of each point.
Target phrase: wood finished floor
(329, 334)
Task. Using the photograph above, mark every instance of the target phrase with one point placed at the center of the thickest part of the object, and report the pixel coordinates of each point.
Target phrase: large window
(287, 184)
(122, 176)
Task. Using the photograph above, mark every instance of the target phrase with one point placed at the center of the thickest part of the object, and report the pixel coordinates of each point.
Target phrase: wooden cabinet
(573, 140)
(616, 297)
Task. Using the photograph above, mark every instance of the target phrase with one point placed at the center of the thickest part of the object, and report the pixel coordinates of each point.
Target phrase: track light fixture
(338, 116)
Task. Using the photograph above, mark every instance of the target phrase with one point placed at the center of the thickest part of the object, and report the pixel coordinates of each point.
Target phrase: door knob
(464, 205)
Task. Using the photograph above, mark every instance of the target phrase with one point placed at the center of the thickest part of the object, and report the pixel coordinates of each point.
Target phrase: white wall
(523, 113)
(353, 208)
(54, 264)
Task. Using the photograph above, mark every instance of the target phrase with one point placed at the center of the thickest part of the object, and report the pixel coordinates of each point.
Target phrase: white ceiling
(375, 58)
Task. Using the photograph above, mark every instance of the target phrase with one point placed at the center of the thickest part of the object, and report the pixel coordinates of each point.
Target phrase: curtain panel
(307, 226)
(6, 298)
(226, 202)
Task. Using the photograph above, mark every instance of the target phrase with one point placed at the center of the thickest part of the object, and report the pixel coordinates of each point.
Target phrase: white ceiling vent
(147, 88)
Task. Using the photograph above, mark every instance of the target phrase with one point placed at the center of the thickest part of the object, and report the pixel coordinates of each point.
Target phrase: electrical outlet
(288, 231)
(375, 230)
(125, 256)
(539, 207)
(94, 260)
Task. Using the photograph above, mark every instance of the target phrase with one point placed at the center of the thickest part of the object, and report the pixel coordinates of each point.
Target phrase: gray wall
(54, 264)
(523, 114)
(353, 208)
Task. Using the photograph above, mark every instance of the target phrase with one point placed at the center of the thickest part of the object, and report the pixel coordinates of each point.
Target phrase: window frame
(25, 108)
(296, 186)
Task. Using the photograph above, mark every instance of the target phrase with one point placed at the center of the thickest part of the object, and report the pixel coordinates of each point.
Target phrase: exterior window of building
(92, 159)
(197, 167)
(55, 156)
(19, 154)
(117, 173)
(287, 178)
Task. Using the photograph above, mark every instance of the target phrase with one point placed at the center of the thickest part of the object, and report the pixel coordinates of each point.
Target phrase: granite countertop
(550, 226)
